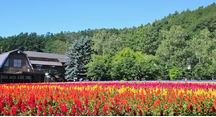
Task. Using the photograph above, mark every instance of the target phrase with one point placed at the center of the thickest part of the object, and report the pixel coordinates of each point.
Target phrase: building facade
(28, 66)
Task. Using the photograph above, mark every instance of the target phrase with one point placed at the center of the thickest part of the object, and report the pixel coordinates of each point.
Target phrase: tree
(122, 65)
(105, 43)
(97, 71)
(57, 47)
(71, 37)
(98, 65)
(204, 50)
(173, 48)
(79, 56)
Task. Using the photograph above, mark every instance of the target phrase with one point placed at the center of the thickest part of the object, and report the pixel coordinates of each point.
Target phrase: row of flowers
(108, 99)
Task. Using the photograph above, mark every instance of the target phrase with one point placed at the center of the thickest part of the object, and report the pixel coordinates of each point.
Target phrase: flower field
(108, 99)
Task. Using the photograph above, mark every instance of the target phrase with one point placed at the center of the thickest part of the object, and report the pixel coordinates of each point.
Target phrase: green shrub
(97, 71)
(174, 73)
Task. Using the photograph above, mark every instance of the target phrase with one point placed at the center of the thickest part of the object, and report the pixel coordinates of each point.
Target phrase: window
(12, 77)
(7, 62)
(27, 63)
(39, 67)
(17, 63)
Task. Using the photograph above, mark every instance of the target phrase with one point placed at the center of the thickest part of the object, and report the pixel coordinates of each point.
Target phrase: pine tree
(79, 56)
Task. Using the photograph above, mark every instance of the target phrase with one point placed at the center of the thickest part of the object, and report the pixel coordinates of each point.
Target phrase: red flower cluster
(106, 100)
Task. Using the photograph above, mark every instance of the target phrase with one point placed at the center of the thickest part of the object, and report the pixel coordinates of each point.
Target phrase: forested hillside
(145, 38)
(179, 39)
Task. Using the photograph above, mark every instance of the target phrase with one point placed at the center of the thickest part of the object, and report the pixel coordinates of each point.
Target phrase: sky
(42, 16)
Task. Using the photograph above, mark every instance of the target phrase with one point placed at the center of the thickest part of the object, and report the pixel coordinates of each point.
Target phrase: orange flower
(200, 99)
(198, 108)
(186, 98)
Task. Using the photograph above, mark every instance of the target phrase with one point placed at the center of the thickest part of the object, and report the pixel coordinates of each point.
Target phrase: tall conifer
(79, 56)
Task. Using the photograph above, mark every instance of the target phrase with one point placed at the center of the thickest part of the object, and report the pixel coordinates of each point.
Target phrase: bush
(97, 71)
(174, 73)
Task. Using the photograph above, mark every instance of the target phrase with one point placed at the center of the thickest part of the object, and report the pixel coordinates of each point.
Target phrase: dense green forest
(179, 45)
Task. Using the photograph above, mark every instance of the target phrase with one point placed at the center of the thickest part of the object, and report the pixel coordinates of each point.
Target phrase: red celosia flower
(44, 114)
(163, 97)
(9, 101)
(191, 108)
(95, 110)
(110, 109)
(188, 107)
(104, 110)
(157, 102)
(45, 102)
(200, 99)
(39, 109)
(50, 111)
(120, 109)
(23, 108)
(161, 113)
(73, 110)
(112, 103)
(18, 105)
(180, 106)
(127, 108)
(63, 108)
(197, 108)
(214, 102)
(1, 104)
(147, 103)
(86, 102)
(13, 111)
(5, 112)
(212, 109)
(116, 100)
(140, 113)
(186, 98)
(59, 106)
(95, 99)
(204, 107)
(98, 103)
(146, 109)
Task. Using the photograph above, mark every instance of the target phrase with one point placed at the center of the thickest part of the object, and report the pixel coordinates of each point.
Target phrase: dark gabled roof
(60, 57)
(4, 56)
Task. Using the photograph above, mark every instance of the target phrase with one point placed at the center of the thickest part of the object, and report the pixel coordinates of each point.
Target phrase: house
(48, 63)
(28, 66)
(14, 67)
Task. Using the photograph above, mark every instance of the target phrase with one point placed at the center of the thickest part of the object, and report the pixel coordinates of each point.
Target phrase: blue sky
(42, 16)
